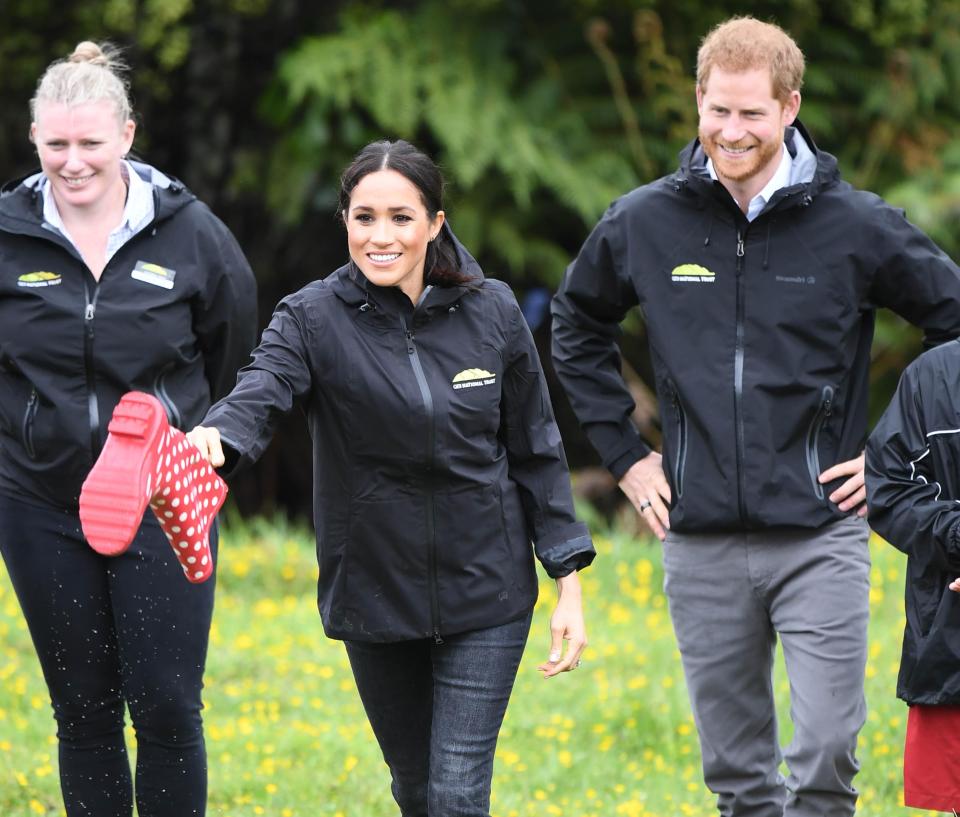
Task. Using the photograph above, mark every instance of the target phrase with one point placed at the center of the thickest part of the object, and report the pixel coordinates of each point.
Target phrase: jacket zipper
(93, 405)
(28, 418)
(813, 438)
(89, 313)
(738, 385)
(161, 393)
(681, 455)
(431, 433)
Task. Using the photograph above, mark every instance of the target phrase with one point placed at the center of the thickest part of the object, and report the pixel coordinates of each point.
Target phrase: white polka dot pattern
(178, 485)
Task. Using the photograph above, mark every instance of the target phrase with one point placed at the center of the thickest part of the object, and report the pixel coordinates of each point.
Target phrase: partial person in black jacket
(913, 488)
(113, 277)
(436, 463)
(758, 272)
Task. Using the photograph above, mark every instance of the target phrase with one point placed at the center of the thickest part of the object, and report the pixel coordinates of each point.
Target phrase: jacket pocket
(680, 435)
(517, 540)
(385, 592)
(824, 411)
(29, 417)
(474, 554)
(160, 392)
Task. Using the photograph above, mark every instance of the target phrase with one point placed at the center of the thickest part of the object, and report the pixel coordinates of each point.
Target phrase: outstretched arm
(240, 426)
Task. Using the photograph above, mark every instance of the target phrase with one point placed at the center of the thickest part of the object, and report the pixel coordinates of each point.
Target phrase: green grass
(286, 735)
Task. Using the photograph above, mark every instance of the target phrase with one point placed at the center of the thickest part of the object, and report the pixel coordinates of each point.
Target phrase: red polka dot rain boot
(146, 461)
(189, 494)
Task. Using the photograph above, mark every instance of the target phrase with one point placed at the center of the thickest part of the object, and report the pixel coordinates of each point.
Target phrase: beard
(746, 167)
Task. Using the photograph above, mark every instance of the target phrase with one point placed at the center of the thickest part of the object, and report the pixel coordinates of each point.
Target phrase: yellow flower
(243, 642)
(508, 756)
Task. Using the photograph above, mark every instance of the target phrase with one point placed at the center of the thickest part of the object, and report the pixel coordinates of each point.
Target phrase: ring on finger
(644, 505)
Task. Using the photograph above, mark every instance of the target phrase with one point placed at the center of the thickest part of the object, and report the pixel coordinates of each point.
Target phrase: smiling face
(80, 149)
(741, 128)
(388, 229)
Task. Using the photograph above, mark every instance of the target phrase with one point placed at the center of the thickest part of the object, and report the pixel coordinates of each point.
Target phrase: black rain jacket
(913, 492)
(436, 457)
(70, 347)
(759, 333)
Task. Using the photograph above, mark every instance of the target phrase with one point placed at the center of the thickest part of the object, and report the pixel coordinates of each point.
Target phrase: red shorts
(931, 758)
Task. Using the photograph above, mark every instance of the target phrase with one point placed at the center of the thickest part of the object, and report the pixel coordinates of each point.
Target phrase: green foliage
(511, 144)
(540, 112)
(540, 119)
(931, 199)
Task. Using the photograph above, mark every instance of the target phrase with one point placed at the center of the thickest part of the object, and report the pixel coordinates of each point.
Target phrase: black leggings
(110, 631)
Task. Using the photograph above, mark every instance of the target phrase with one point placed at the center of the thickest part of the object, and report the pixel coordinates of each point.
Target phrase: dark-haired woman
(436, 462)
(115, 277)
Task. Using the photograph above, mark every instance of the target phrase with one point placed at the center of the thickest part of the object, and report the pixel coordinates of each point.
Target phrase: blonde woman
(113, 277)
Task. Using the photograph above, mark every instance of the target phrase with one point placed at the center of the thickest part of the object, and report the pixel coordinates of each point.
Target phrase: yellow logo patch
(39, 279)
(470, 378)
(692, 274)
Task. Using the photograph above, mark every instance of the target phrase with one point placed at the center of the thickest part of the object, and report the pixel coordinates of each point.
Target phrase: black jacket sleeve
(266, 389)
(225, 314)
(908, 504)
(537, 463)
(914, 277)
(593, 299)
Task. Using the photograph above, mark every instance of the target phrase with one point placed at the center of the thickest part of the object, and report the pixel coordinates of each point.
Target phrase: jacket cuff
(570, 550)
(233, 458)
(622, 463)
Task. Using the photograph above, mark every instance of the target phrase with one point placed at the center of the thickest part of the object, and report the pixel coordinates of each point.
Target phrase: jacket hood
(353, 287)
(812, 170)
(21, 201)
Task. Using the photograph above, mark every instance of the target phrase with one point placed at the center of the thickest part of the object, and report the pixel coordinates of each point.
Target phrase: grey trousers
(730, 596)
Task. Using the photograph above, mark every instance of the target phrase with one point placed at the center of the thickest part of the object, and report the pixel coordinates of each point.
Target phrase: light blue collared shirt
(779, 180)
(137, 212)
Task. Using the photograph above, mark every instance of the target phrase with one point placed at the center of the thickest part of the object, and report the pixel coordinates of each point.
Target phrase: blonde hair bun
(89, 52)
(94, 72)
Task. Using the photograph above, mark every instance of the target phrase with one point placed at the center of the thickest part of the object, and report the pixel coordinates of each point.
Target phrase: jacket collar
(21, 200)
(353, 288)
(813, 170)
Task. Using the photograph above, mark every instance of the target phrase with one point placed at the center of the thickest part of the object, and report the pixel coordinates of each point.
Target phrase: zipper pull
(409, 336)
(88, 315)
(739, 246)
(827, 401)
(437, 638)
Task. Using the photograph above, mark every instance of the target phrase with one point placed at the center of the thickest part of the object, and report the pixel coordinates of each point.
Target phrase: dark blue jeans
(113, 631)
(436, 710)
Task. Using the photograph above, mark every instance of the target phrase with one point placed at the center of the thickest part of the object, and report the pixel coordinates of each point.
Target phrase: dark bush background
(539, 112)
